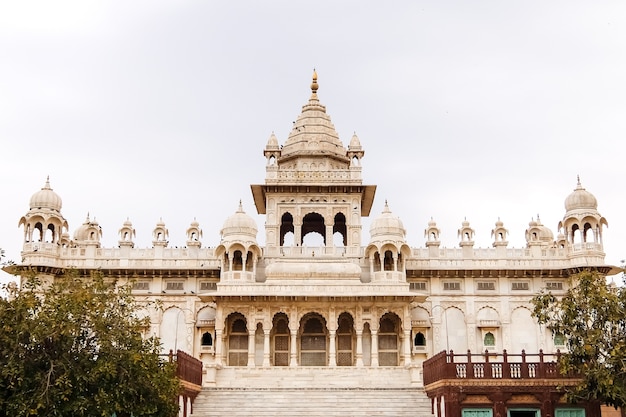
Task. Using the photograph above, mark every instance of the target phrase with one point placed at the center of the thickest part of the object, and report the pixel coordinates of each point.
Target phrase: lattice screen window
(417, 286)
(238, 344)
(175, 286)
(313, 343)
(344, 341)
(569, 412)
(208, 286)
(477, 412)
(281, 343)
(387, 343)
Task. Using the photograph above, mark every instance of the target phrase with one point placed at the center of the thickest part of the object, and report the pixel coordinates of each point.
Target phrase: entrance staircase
(312, 392)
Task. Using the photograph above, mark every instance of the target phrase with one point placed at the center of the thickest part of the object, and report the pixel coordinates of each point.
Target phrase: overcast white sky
(161, 109)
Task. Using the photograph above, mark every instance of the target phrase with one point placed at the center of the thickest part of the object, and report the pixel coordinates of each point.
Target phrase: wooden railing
(490, 365)
(188, 368)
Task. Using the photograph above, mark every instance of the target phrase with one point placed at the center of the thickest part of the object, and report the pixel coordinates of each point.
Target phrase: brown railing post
(541, 372)
(524, 365)
(506, 366)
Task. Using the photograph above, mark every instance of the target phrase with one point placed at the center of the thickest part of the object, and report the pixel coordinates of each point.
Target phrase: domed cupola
(582, 223)
(387, 227)
(538, 235)
(46, 199)
(355, 151)
(88, 233)
(44, 222)
(580, 199)
(313, 136)
(126, 234)
(194, 234)
(272, 150)
(239, 227)
(499, 234)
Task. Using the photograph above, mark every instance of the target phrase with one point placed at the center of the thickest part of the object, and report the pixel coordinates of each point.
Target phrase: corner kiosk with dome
(341, 316)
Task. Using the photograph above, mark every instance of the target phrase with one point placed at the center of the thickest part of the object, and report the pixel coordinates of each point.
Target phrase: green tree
(591, 317)
(74, 347)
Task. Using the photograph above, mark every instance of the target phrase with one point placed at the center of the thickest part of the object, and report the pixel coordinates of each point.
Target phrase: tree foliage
(75, 348)
(592, 318)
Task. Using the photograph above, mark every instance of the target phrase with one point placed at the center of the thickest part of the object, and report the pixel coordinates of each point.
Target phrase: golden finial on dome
(314, 85)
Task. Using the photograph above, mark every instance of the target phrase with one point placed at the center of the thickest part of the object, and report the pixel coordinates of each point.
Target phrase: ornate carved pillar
(219, 343)
(266, 347)
(329, 236)
(359, 347)
(251, 347)
(297, 233)
(293, 360)
(374, 347)
(332, 351)
(406, 345)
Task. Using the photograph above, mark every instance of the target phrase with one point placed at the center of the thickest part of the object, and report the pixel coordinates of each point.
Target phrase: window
(569, 412)
(559, 340)
(477, 412)
(517, 286)
(207, 339)
(419, 340)
(417, 286)
(490, 339)
(451, 286)
(554, 286)
(174, 286)
(208, 286)
(486, 286)
(141, 285)
(523, 412)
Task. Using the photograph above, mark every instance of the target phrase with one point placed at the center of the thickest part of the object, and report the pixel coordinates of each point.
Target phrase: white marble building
(341, 306)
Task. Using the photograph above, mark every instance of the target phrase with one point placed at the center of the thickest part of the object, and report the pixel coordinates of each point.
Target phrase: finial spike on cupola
(314, 85)
(240, 209)
(47, 185)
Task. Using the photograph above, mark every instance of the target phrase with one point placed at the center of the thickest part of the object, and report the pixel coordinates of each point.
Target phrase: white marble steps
(312, 402)
(314, 377)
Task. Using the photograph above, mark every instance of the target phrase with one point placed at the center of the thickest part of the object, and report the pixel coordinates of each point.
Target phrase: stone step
(323, 377)
(317, 402)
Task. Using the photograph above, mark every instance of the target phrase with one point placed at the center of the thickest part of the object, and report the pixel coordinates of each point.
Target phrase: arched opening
(490, 340)
(313, 240)
(388, 340)
(367, 344)
(280, 340)
(259, 341)
(419, 340)
(313, 340)
(345, 340)
(237, 340)
(340, 231)
(38, 232)
(207, 339)
(377, 264)
(313, 223)
(388, 261)
(286, 226)
(576, 234)
(586, 237)
(50, 235)
(249, 261)
(237, 261)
